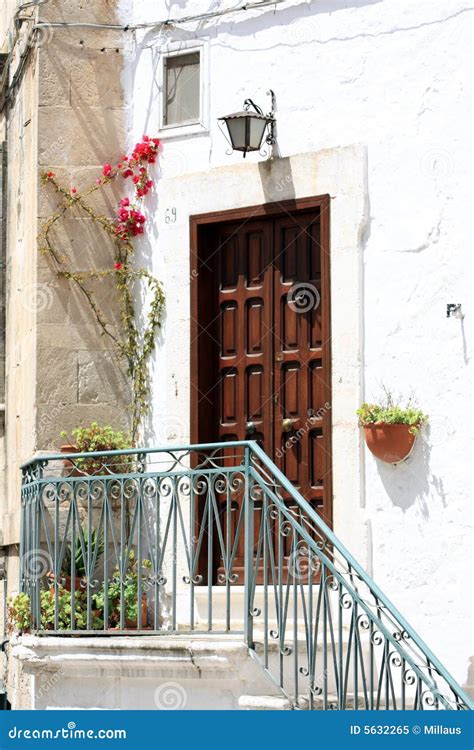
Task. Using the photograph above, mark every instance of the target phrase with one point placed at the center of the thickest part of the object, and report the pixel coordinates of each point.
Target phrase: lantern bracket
(271, 138)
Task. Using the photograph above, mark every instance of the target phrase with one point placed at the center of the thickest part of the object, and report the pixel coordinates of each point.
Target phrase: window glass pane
(182, 89)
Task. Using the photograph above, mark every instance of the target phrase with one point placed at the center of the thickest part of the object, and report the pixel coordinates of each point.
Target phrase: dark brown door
(261, 350)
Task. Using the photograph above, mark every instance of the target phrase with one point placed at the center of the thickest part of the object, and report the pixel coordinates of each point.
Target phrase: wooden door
(262, 356)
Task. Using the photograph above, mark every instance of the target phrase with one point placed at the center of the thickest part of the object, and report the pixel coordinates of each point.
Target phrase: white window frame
(202, 124)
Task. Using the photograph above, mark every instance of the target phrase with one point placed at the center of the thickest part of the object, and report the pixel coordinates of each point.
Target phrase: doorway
(260, 338)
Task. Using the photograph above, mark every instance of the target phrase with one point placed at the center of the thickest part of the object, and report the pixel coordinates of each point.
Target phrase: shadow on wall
(293, 19)
(412, 481)
(277, 180)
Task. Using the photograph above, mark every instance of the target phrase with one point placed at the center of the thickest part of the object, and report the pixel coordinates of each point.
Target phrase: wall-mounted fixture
(247, 128)
(454, 311)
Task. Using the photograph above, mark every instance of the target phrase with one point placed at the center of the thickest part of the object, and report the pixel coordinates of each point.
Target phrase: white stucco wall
(393, 76)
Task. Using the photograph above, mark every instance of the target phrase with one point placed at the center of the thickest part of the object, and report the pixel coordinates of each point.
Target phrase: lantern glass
(257, 129)
(237, 130)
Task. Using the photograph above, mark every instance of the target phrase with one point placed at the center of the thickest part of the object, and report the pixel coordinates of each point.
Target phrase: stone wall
(68, 114)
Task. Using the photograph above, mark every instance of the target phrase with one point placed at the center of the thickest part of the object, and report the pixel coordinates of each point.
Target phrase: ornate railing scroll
(319, 626)
(215, 539)
(119, 541)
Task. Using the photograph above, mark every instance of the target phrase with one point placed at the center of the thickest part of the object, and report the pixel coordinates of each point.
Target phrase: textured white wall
(392, 75)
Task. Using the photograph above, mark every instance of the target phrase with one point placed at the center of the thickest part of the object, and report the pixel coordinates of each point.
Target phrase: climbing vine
(129, 222)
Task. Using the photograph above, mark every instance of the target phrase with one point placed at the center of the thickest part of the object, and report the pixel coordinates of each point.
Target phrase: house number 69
(170, 216)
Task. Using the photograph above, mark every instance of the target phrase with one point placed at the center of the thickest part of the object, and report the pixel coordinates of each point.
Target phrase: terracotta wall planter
(69, 470)
(391, 443)
(92, 467)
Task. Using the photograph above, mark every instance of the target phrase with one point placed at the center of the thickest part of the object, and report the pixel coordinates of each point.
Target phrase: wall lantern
(247, 128)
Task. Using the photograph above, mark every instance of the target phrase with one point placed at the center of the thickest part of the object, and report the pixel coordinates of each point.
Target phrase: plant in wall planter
(97, 439)
(390, 429)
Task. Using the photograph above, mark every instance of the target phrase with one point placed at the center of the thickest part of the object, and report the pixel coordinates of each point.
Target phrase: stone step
(228, 608)
(264, 703)
(280, 703)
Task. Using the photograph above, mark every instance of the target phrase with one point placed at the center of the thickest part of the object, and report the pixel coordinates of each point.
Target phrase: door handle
(287, 425)
(250, 428)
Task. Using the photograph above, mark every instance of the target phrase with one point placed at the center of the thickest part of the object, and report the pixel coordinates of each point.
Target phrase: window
(182, 89)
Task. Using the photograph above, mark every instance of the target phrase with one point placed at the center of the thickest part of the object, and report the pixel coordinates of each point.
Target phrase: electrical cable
(164, 22)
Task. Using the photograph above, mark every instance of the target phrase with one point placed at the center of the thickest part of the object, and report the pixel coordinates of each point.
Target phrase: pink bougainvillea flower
(117, 266)
(50, 175)
(98, 181)
(107, 170)
(73, 191)
(127, 173)
(125, 202)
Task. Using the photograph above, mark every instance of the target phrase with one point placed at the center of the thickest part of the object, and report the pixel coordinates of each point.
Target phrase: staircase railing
(338, 642)
(215, 539)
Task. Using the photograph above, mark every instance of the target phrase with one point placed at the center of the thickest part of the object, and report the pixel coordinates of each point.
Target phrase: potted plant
(19, 616)
(130, 596)
(19, 613)
(97, 439)
(391, 429)
(80, 563)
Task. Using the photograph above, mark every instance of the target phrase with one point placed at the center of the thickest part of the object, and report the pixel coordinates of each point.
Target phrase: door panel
(301, 419)
(263, 359)
(244, 309)
(245, 313)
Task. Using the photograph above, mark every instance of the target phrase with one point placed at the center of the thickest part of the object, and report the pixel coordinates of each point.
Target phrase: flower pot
(131, 624)
(391, 443)
(94, 466)
(69, 469)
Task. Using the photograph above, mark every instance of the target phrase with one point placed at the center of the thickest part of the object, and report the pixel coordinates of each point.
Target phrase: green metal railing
(214, 538)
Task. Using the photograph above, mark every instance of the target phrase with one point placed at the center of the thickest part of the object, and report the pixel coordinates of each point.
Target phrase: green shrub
(97, 439)
(389, 411)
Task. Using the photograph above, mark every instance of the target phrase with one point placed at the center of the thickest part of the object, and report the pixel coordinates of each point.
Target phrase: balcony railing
(214, 538)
